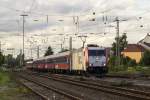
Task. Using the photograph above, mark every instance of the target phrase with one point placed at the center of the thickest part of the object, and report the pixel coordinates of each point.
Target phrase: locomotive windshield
(96, 52)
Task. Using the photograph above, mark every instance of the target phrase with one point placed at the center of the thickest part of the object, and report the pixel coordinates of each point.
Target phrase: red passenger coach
(58, 61)
(39, 63)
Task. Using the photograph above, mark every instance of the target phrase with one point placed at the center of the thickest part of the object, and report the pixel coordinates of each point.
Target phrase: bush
(112, 61)
(139, 68)
(131, 70)
(143, 70)
(132, 62)
(113, 66)
(127, 61)
(117, 68)
(145, 60)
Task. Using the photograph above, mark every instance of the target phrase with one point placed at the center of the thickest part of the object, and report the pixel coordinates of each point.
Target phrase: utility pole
(21, 56)
(38, 52)
(76, 23)
(31, 53)
(117, 20)
(117, 42)
(23, 15)
(0, 46)
(70, 48)
(30, 50)
(83, 39)
(61, 46)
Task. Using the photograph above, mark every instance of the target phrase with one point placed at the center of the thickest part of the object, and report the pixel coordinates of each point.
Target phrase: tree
(122, 43)
(19, 60)
(49, 51)
(1, 58)
(145, 60)
(112, 60)
(10, 61)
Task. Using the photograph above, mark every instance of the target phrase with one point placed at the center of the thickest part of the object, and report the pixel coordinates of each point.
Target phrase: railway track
(130, 93)
(44, 91)
(134, 76)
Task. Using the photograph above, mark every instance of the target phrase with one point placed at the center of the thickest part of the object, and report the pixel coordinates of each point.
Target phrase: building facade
(133, 51)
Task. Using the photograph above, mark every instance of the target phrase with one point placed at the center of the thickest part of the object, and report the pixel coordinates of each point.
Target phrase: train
(90, 59)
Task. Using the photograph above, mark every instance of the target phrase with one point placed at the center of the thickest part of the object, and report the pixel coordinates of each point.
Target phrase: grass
(12, 93)
(9, 89)
(136, 70)
(4, 78)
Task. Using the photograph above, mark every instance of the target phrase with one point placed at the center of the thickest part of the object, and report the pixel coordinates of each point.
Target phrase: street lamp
(23, 15)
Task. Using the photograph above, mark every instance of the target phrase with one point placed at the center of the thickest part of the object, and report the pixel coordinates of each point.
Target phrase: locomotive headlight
(91, 64)
(97, 58)
(104, 64)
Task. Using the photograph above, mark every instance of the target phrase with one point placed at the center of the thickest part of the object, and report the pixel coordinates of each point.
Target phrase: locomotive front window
(96, 52)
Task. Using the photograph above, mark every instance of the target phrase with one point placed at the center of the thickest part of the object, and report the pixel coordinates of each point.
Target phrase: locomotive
(91, 59)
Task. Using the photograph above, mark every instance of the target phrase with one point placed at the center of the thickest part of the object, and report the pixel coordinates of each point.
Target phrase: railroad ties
(44, 91)
(85, 88)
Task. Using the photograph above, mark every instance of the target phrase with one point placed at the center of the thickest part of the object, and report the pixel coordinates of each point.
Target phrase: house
(134, 51)
(145, 43)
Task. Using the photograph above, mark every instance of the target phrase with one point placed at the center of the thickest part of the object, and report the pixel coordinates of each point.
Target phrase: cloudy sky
(52, 22)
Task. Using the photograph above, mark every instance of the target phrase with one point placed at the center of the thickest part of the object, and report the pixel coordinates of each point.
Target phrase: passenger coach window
(61, 60)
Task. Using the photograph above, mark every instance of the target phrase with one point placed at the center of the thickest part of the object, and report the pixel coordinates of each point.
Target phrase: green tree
(10, 61)
(111, 61)
(49, 51)
(1, 58)
(19, 60)
(122, 41)
(145, 60)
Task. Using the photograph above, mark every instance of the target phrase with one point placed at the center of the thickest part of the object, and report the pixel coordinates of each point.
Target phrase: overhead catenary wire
(45, 14)
(32, 4)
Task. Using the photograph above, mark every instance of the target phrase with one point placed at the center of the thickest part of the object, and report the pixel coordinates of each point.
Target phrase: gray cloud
(10, 11)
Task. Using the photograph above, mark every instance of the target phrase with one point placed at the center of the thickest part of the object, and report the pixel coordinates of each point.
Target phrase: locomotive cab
(96, 61)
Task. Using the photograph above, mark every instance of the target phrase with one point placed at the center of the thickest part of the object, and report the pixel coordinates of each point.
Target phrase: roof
(133, 48)
(145, 42)
(147, 39)
(148, 44)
